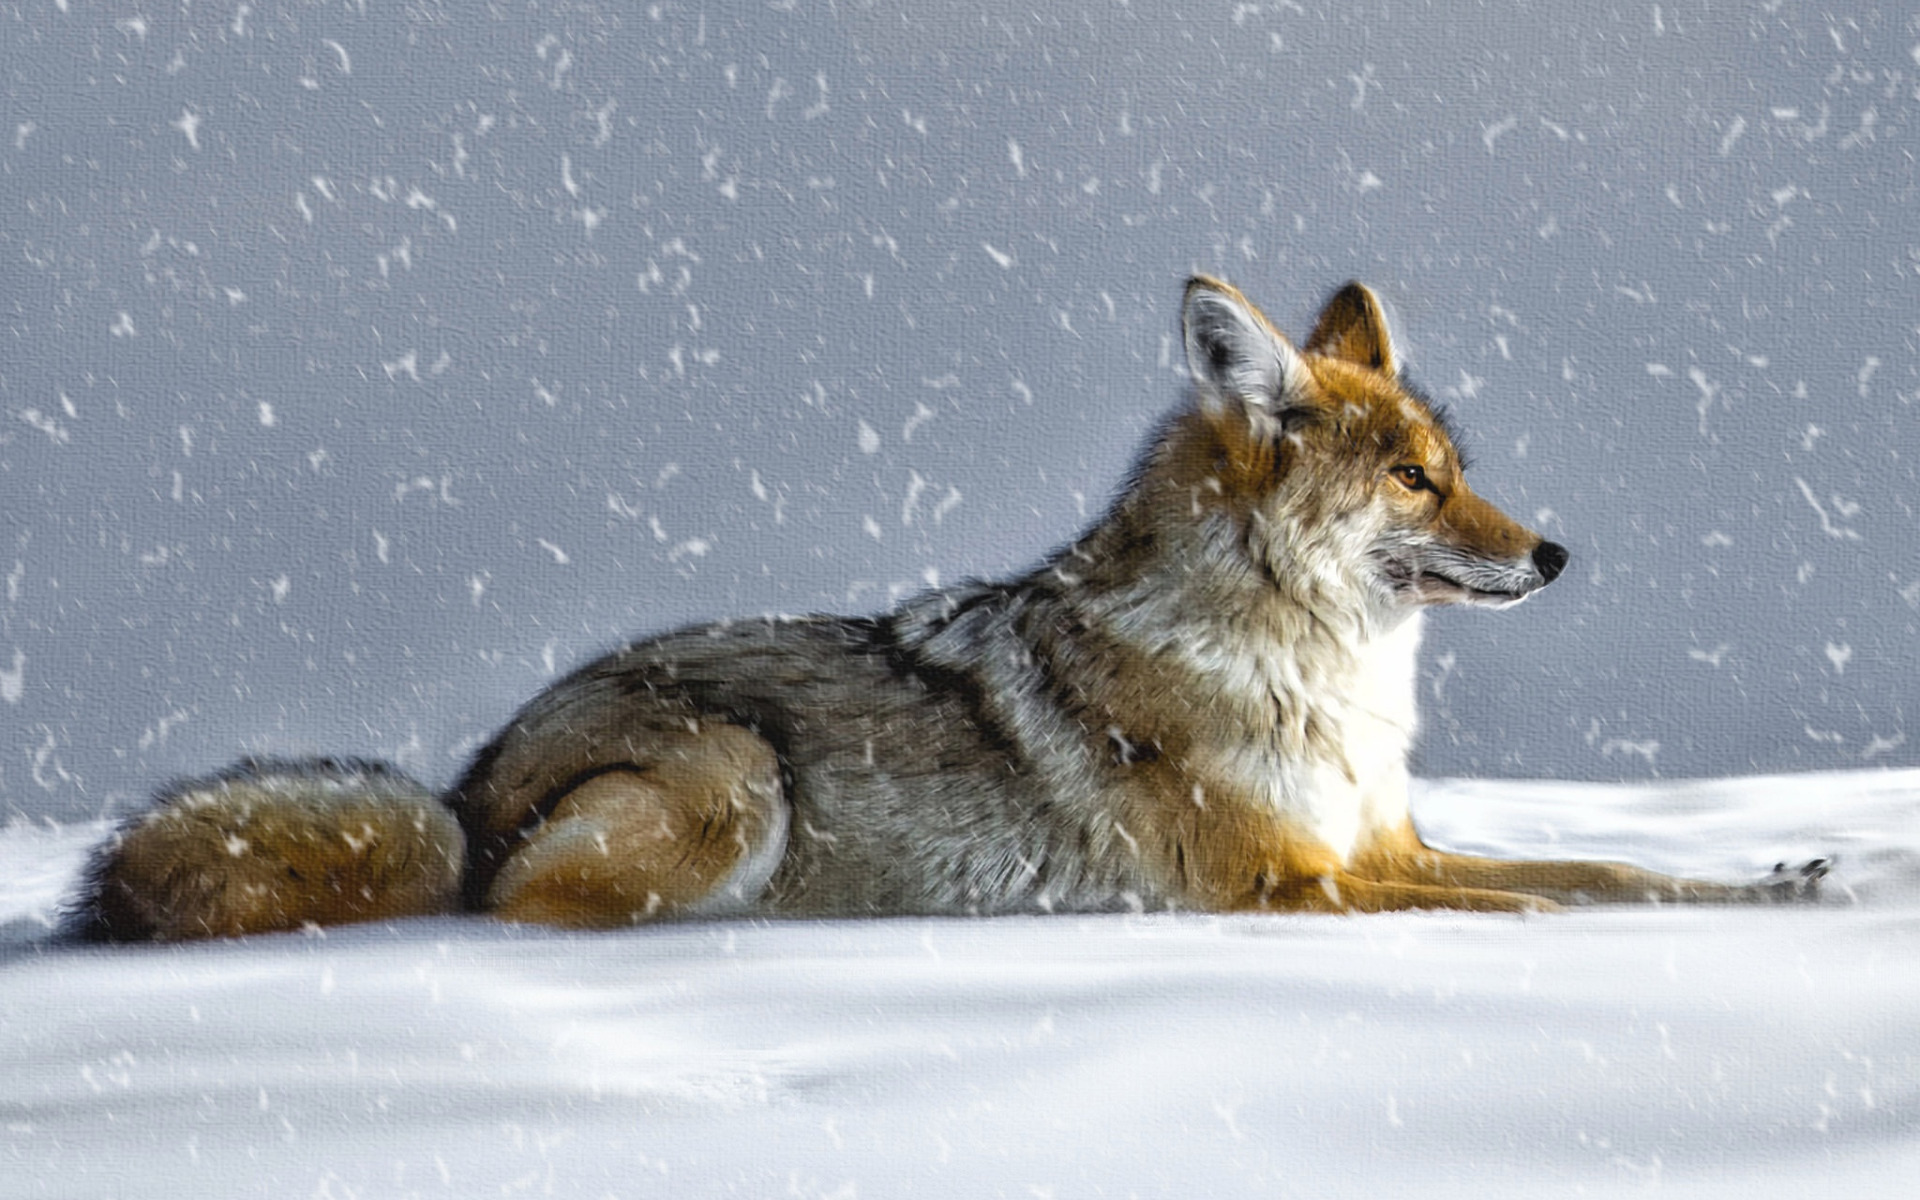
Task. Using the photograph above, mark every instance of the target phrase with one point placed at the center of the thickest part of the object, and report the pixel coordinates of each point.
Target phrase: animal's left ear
(1235, 353)
(1353, 327)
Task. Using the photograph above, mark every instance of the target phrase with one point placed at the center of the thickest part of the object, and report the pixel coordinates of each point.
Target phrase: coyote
(1204, 702)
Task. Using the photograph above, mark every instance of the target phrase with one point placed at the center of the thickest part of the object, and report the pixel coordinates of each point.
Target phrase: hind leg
(696, 829)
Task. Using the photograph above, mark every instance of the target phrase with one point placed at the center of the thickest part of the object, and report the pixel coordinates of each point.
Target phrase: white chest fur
(1349, 778)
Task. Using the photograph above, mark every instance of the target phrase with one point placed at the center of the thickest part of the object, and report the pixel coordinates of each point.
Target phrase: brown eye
(1412, 478)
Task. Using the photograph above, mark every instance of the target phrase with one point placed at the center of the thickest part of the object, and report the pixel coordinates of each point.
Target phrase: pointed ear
(1353, 327)
(1233, 351)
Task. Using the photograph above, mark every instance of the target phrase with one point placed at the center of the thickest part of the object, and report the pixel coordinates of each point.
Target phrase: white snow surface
(1692, 1051)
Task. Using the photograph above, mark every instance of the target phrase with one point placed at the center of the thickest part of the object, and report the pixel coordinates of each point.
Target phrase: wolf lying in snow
(1204, 702)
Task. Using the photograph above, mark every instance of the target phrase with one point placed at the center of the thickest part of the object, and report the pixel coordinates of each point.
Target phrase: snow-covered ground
(1698, 1052)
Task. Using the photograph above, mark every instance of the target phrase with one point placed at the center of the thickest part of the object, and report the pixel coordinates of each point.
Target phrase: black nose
(1551, 559)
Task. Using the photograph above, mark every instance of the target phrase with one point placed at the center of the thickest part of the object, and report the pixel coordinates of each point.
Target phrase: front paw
(1787, 884)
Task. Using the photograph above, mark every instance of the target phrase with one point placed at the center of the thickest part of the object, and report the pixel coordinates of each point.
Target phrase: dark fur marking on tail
(104, 911)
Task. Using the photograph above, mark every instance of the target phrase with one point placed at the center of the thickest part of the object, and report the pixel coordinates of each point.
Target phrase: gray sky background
(362, 367)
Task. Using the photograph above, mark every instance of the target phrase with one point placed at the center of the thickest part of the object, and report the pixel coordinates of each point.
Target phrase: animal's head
(1347, 481)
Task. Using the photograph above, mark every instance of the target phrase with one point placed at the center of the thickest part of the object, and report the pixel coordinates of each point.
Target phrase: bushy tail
(271, 844)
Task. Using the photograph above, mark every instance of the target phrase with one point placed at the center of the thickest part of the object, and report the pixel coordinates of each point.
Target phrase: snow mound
(1608, 1051)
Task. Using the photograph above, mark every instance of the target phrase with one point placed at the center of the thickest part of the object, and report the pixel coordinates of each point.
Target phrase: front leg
(1222, 858)
(1404, 857)
(1345, 892)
